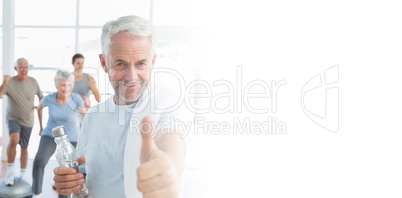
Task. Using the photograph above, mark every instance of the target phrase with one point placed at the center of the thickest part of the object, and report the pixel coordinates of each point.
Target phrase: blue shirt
(63, 115)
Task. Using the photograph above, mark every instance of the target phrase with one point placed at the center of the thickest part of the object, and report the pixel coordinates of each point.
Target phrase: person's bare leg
(24, 158)
(12, 147)
(23, 161)
(11, 152)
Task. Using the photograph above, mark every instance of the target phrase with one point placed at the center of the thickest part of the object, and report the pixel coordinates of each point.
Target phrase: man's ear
(15, 68)
(103, 62)
(153, 60)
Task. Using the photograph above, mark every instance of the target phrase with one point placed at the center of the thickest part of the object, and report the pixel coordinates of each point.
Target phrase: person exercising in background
(62, 107)
(21, 90)
(84, 83)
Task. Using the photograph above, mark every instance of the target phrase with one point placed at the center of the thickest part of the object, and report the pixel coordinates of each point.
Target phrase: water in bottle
(66, 156)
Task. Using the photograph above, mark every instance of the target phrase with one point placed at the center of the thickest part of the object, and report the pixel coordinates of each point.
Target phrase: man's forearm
(94, 89)
(40, 118)
(3, 85)
(97, 96)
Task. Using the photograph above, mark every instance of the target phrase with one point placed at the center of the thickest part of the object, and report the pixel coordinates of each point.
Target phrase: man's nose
(131, 73)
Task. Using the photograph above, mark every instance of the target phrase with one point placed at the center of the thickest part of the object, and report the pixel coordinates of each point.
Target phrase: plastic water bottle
(66, 156)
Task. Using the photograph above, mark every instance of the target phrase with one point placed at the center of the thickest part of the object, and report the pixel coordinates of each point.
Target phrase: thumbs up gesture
(162, 160)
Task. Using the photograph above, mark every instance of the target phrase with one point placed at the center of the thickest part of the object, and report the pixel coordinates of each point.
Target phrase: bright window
(1, 49)
(45, 47)
(1, 15)
(173, 13)
(45, 12)
(98, 12)
(90, 47)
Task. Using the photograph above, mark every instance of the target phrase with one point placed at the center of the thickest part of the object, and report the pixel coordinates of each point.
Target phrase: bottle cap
(59, 131)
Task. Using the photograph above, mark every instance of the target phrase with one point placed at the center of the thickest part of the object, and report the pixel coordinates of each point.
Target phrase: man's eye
(120, 65)
(142, 64)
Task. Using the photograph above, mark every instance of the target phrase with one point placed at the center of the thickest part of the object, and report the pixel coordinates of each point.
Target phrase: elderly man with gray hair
(21, 90)
(122, 158)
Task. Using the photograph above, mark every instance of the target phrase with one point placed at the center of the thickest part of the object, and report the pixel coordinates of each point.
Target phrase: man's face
(78, 64)
(22, 69)
(129, 64)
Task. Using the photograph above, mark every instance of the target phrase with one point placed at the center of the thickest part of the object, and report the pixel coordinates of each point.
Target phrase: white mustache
(133, 83)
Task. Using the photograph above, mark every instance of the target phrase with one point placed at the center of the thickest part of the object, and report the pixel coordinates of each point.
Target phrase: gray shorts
(24, 132)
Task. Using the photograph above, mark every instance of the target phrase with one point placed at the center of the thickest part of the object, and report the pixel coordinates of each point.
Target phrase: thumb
(81, 160)
(148, 146)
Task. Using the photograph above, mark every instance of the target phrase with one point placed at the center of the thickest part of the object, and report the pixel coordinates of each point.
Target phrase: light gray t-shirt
(102, 143)
(21, 97)
(111, 141)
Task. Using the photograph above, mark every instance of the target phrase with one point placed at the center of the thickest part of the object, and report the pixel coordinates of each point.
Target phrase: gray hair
(132, 25)
(20, 60)
(63, 75)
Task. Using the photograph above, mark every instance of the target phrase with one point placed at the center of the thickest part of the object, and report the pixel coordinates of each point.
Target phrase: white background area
(295, 41)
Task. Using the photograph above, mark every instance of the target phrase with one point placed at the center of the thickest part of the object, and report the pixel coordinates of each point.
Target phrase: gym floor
(195, 183)
(47, 190)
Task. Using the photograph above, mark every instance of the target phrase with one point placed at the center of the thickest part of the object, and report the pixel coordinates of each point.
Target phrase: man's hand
(157, 176)
(67, 180)
(40, 131)
(6, 79)
(3, 85)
